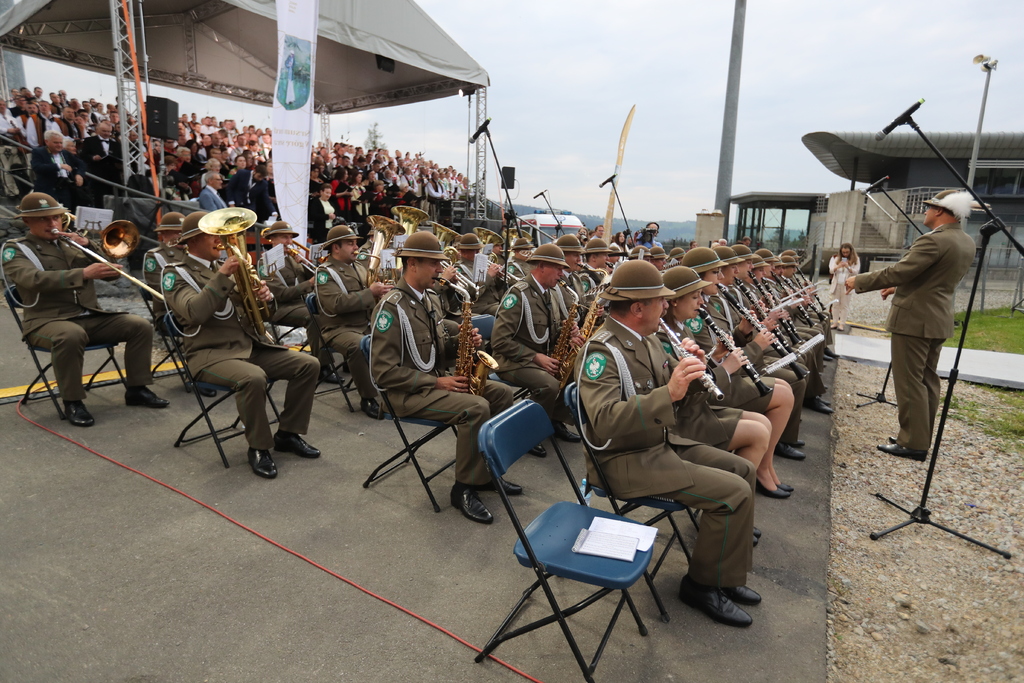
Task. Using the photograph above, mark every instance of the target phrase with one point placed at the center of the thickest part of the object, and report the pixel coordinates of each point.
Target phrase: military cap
(338, 233)
(682, 280)
(642, 253)
(279, 228)
(744, 251)
(422, 244)
(170, 222)
(636, 281)
(789, 252)
(522, 243)
(767, 256)
(788, 262)
(548, 253)
(38, 205)
(658, 252)
(190, 226)
(676, 252)
(569, 243)
(469, 242)
(597, 246)
(702, 259)
(727, 255)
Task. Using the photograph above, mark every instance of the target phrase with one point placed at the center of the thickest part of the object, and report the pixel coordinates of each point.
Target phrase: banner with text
(293, 108)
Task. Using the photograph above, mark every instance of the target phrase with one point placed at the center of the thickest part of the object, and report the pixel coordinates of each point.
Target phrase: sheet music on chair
(273, 260)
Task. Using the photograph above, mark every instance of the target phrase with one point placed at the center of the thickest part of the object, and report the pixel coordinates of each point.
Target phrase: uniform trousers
(249, 378)
(723, 489)
(67, 339)
(297, 315)
(468, 413)
(917, 388)
(544, 390)
(346, 342)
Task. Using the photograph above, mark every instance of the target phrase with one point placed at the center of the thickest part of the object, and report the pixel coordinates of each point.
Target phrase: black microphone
(899, 120)
(483, 127)
(875, 185)
(539, 194)
(609, 179)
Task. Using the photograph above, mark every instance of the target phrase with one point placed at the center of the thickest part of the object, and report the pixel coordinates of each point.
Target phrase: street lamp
(988, 65)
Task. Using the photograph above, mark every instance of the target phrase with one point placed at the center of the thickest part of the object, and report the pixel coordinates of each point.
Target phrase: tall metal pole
(727, 155)
(988, 66)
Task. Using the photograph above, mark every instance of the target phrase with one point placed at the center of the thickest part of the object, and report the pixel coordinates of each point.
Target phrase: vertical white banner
(293, 108)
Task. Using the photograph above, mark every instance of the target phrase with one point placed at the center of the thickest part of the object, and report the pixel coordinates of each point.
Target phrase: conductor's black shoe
(757, 539)
(757, 532)
(901, 452)
(712, 602)
(77, 414)
(799, 443)
(370, 407)
(465, 500)
(892, 439)
(563, 433)
(742, 595)
(818, 406)
(539, 451)
(142, 396)
(785, 487)
(776, 493)
(262, 464)
(293, 443)
(510, 488)
(784, 450)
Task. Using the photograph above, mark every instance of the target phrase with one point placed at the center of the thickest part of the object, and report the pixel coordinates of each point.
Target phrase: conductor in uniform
(638, 400)
(55, 281)
(921, 317)
(346, 304)
(222, 347)
(411, 346)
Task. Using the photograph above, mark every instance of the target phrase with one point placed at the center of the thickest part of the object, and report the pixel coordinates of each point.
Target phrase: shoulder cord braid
(410, 344)
(625, 386)
(337, 281)
(31, 256)
(527, 314)
(223, 314)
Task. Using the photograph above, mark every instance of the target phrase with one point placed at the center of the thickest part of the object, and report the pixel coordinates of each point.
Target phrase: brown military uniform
(647, 453)
(346, 304)
(221, 347)
(529, 322)
(152, 269)
(289, 284)
(411, 345)
(63, 315)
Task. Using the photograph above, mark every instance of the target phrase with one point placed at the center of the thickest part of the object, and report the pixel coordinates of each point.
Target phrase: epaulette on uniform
(602, 336)
(521, 285)
(393, 297)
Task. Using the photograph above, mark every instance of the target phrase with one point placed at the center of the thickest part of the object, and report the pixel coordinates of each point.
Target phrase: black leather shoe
(563, 433)
(327, 376)
(510, 488)
(712, 602)
(829, 355)
(293, 443)
(539, 451)
(757, 532)
(206, 391)
(77, 414)
(465, 500)
(784, 450)
(901, 452)
(818, 406)
(142, 396)
(892, 439)
(742, 595)
(370, 407)
(262, 464)
(799, 443)
(785, 487)
(777, 493)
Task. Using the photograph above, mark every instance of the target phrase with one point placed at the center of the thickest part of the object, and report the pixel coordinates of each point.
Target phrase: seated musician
(639, 401)
(346, 304)
(62, 314)
(789, 268)
(573, 276)
(684, 318)
(527, 329)
(595, 270)
(167, 233)
(519, 265)
(411, 347)
(485, 294)
(658, 257)
(222, 346)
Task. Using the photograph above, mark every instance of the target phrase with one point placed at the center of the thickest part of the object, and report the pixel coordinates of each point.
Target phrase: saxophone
(470, 362)
(564, 352)
(589, 323)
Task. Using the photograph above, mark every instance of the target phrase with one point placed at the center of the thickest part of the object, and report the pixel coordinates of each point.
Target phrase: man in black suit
(248, 190)
(102, 157)
(57, 171)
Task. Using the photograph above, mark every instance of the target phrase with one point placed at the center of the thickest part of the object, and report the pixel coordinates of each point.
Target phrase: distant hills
(670, 230)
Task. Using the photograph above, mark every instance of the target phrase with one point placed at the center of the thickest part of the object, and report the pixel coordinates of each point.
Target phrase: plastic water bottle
(584, 492)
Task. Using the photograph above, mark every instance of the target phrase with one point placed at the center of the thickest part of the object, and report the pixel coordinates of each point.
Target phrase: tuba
(385, 231)
(410, 217)
(117, 240)
(230, 225)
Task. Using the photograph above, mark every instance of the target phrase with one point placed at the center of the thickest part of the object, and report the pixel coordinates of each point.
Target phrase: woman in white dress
(842, 266)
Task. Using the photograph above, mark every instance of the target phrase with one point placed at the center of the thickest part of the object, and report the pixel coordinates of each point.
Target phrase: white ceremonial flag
(293, 108)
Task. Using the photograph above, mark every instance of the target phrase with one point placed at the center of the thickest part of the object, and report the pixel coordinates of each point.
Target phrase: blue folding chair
(219, 435)
(313, 306)
(14, 303)
(485, 326)
(409, 447)
(545, 545)
(602, 488)
(158, 325)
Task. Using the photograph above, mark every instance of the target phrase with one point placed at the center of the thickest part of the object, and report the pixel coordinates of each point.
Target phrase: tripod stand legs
(922, 515)
(880, 396)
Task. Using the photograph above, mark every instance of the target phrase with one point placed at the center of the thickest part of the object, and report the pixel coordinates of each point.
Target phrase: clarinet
(818, 304)
(758, 308)
(777, 344)
(729, 344)
(791, 290)
(707, 379)
(815, 304)
(786, 325)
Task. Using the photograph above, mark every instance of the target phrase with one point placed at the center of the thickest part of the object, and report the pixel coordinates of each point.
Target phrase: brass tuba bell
(410, 217)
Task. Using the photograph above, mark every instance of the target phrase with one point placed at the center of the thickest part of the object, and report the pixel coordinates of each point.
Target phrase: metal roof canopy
(789, 200)
(861, 158)
(228, 48)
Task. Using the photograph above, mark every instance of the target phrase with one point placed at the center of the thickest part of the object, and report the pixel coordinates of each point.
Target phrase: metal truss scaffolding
(480, 182)
(129, 107)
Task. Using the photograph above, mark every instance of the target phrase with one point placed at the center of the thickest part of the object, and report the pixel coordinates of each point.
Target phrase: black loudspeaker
(508, 176)
(162, 118)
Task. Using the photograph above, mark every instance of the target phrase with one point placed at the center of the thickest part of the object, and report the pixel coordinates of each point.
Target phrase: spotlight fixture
(385, 64)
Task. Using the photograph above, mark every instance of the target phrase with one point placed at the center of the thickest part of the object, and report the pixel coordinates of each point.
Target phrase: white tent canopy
(229, 48)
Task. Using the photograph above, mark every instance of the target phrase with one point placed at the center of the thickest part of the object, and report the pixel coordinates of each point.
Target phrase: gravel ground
(919, 604)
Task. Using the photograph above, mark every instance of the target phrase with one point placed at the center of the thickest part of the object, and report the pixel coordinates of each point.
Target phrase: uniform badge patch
(322, 277)
(594, 365)
(509, 301)
(168, 281)
(150, 264)
(8, 254)
(262, 270)
(695, 325)
(384, 320)
(586, 284)
(718, 306)
(667, 347)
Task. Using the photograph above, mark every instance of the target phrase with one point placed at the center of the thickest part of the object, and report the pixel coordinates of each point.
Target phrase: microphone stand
(921, 514)
(558, 223)
(508, 197)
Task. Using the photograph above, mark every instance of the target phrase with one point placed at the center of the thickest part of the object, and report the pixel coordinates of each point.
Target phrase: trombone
(299, 252)
(117, 240)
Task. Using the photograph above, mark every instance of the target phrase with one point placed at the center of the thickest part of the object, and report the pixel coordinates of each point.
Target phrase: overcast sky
(565, 73)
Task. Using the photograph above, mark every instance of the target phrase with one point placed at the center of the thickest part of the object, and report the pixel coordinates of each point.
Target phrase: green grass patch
(1001, 415)
(992, 331)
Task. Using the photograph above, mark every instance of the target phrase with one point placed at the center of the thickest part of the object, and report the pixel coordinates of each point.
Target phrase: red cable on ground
(277, 545)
